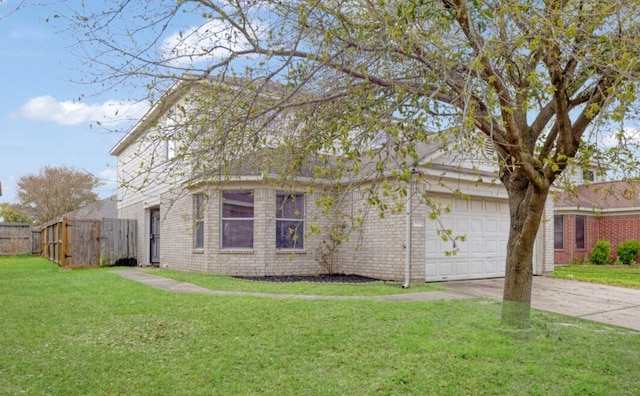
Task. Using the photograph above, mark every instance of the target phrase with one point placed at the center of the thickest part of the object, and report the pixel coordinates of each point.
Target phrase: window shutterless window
(198, 221)
(558, 232)
(237, 219)
(289, 220)
(588, 175)
(580, 232)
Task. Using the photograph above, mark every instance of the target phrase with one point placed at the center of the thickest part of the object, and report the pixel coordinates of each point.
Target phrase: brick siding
(376, 250)
(613, 228)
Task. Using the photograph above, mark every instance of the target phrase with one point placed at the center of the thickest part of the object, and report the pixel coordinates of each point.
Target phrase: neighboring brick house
(600, 210)
(251, 226)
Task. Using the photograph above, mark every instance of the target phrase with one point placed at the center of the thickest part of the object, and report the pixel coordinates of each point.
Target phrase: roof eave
(168, 100)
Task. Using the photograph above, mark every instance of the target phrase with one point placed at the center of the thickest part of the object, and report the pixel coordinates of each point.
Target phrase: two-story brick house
(248, 225)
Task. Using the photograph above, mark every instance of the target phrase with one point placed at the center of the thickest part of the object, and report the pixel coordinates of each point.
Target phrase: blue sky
(47, 119)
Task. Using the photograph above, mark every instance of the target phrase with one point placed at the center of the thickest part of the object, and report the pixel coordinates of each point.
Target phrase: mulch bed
(333, 278)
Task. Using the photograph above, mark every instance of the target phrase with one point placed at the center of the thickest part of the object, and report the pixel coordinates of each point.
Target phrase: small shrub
(600, 253)
(628, 251)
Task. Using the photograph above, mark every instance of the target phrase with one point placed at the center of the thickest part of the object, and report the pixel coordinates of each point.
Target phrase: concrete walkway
(160, 282)
(600, 303)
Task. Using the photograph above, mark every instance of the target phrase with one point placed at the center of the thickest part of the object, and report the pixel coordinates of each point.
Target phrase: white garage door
(485, 225)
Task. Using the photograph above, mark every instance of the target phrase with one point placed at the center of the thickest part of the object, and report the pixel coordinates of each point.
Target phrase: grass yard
(616, 275)
(91, 332)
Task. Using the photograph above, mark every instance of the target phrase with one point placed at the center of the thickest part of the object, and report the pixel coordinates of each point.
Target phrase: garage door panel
(477, 267)
(477, 247)
(495, 265)
(431, 245)
(446, 222)
(492, 247)
(445, 268)
(477, 206)
(477, 225)
(461, 267)
(491, 225)
(461, 225)
(460, 206)
(461, 248)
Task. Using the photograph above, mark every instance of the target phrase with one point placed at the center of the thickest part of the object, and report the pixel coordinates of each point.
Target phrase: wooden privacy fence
(90, 243)
(19, 238)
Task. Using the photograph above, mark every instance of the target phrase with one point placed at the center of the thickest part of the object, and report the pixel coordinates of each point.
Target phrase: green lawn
(616, 275)
(91, 332)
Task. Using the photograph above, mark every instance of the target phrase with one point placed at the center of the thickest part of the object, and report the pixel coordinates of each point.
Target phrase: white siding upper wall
(144, 176)
(144, 173)
(464, 154)
(574, 175)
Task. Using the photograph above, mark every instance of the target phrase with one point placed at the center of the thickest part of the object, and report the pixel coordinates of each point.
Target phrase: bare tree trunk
(526, 206)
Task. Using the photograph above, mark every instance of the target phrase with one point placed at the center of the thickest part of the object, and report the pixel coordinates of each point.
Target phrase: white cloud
(109, 179)
(629, 136)
(109, 182)
(111, 112)
(109, 175)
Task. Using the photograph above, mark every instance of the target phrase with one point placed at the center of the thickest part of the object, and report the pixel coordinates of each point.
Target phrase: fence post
(66, 252)
(58, 246)
(43, 241)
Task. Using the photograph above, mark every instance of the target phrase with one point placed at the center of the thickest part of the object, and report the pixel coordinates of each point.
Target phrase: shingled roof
(601, 196)
(105, 208)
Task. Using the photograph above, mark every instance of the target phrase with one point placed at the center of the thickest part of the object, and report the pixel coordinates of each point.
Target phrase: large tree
(12, 213)
(539, 78)
(55, 191)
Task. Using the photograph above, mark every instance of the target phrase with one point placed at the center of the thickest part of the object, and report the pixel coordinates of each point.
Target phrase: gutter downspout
(407, 242)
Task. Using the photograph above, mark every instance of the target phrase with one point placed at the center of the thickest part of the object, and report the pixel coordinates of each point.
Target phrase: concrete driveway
(606, 304)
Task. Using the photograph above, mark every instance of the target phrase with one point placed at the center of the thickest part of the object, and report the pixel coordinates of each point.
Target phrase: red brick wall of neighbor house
(570, 252)
(566, 254)
(591, 234)
(617, 229)
(614, 229)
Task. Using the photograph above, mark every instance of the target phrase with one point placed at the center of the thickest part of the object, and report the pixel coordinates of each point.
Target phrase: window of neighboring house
(558, 232)
(289, 220)
(237, 219)
(169, 130)
(198, 220)
(170, 149)
(588, 175)
(580, 232)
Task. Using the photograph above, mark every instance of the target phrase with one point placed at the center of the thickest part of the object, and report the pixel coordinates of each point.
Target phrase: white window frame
(226, 221)
(198, 220)
(286, 239)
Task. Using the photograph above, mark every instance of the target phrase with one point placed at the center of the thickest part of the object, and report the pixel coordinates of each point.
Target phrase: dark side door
(154, 236)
